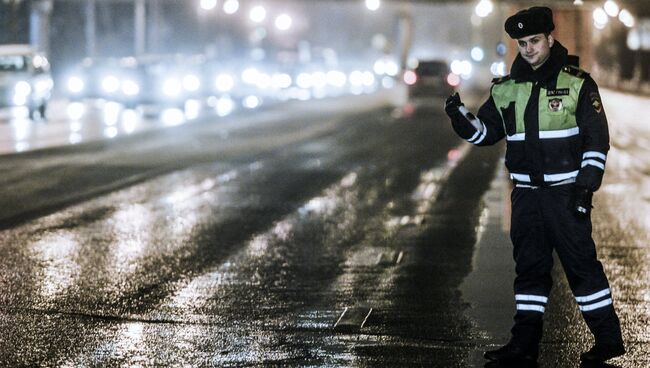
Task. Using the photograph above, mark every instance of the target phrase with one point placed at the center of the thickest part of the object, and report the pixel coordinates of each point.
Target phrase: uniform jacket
(553, 122)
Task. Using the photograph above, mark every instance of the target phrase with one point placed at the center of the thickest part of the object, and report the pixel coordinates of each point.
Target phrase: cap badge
(520, 25)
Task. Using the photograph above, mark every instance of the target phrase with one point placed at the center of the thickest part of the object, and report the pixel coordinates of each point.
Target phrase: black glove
(582, 205)
(451, 107)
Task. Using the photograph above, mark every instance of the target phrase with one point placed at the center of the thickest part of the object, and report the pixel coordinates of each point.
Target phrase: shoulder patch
(501, 79)
(575, 71)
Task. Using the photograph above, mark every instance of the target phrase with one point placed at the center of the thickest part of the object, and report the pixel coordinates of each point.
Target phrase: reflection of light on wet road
(111, 113)
(75, 126)
(172, 117)
(22, 129)
(130, 120)
(75, 138)
(132, 227)
(76, 110)
(203, 287)
(192, 109)
(56, 252)
(128, 341)
(224, 106)
(21, 146)
(110, 132)
(178, 197)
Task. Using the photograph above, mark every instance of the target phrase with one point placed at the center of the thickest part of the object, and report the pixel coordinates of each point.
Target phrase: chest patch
(555, 104)
(558, 92)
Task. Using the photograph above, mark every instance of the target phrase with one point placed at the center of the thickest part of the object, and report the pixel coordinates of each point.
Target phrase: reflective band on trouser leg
(598, 300)
(528, 302)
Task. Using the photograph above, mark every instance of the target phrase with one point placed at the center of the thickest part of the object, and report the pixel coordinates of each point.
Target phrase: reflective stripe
(516, 137)
(530, 307)
(594, 296)
(598, 164)
(482, 135)
(547, 177)
(474, 136)
(562, 176)
(550, 134)
(526, 186)
(520, 177)
(601, 304)
(535, 298)
(563, 182)
(547, 134)
(595, 154)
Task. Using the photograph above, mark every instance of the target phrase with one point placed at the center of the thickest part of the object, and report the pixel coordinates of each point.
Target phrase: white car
(25, 79)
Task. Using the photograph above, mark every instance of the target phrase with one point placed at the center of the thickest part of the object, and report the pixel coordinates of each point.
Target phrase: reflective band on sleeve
(476, 123)
(550, 134)
(601, 304)
(535, 298)
(482, 137)
(562, 176)
(474, 136)
(530, 307)
(520, 177)
(516, 137)
(598, 164)
(594, 296)
(594, 154)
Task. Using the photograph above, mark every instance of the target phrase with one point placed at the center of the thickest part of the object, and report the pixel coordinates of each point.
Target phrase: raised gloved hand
(451, 107)
(582, 206)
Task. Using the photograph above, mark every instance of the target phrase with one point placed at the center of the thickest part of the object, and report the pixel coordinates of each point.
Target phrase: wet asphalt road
(295, 237)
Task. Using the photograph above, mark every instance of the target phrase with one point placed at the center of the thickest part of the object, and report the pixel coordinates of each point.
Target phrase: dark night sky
(338, 24)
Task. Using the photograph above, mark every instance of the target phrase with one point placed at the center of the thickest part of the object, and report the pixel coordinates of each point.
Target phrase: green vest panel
(556, 108)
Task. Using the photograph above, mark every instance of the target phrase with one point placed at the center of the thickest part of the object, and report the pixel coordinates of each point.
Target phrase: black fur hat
(538, 19)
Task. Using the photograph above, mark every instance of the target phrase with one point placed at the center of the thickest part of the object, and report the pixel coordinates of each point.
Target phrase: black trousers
(543, 221)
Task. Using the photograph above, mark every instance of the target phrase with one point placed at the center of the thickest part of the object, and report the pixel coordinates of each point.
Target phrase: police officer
(550, 113)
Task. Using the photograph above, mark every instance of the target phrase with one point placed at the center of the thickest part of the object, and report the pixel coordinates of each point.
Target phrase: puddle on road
(488, 288)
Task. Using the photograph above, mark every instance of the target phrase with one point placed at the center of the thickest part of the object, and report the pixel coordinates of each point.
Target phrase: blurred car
(25, 79)
(431, 78)
(94, 78)
(159, 81)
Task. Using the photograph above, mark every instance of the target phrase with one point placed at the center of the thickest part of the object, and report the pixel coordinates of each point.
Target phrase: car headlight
(224, 82)
(22, 88)
(76, 84)
(110, 84)
(191, 83)
(130, 88)
(172, 87)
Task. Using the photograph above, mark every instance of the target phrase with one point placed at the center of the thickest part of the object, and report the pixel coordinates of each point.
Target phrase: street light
(231, 6)
(283, 22)
(600, 18)
(258, 14)
(626, 18)
(208, 4)
(611, 8)
(477, 53)
(484, 8)
(373, 4)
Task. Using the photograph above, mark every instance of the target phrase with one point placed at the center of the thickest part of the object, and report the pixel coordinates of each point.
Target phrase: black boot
(602, 352)
(510, 353)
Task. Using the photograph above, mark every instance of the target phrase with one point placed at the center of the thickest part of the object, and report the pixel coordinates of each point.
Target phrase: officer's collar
(522, 71)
